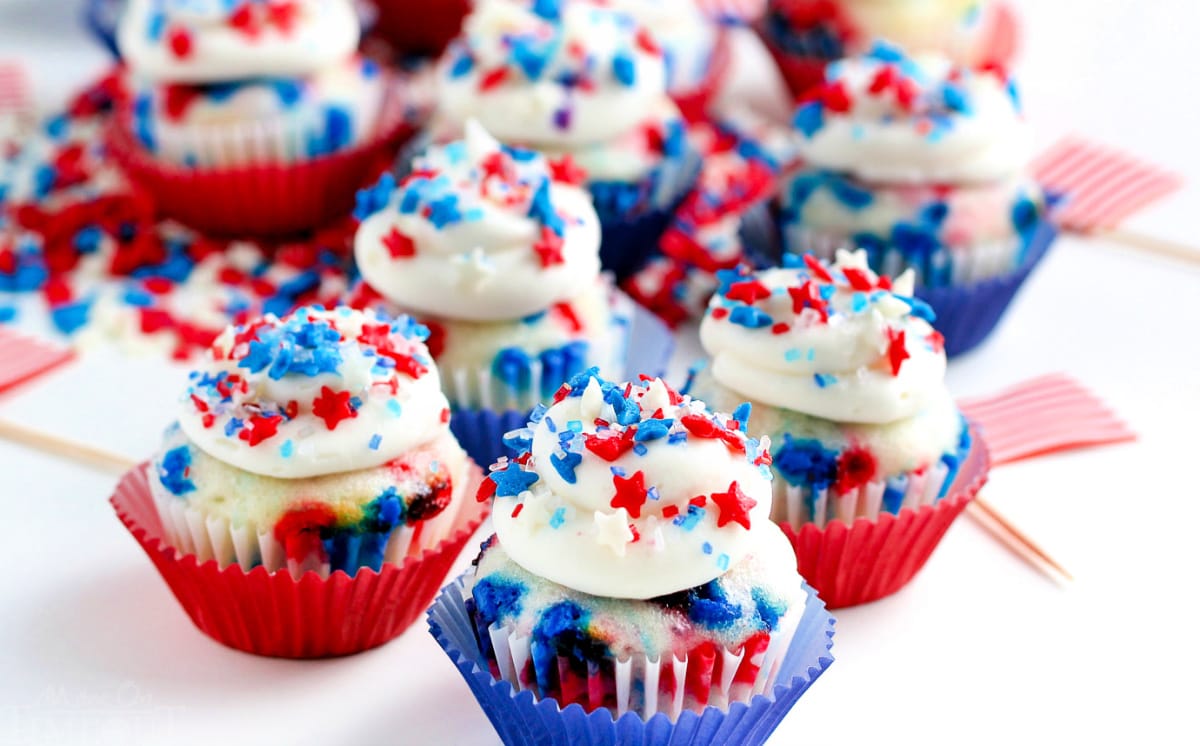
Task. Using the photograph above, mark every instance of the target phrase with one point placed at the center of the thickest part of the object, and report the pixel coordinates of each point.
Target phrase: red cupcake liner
(870, 559)
(693, 104)
(424, 28)
(272, 614)
(265, 200)
(800, 73)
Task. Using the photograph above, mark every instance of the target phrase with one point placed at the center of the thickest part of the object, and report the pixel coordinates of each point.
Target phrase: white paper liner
(967, 263)
(639, 675)
(276, 140)
(249, 545)
(791, 502)
(477, 388)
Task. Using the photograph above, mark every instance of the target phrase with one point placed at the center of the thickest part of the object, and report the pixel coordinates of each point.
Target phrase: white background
(978, 649)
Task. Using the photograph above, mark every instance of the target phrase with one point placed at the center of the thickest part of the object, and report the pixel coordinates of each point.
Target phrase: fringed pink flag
(23, 358)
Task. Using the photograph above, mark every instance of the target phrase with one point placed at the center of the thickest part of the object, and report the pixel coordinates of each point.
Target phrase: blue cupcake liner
(520, 720)
(480, 431)
(967, 314)
(629, 238)
(101, 17)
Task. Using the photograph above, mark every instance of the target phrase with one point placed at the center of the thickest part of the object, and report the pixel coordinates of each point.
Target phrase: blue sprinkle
(640, 449)
(559, 518)
(649, 430)
(623, 68)
(707, 548)
(393, 407)
(723, 562)
(809, 118)
(565, 465)
(750, 317)
(172, 471)
(742, 415)
(376, 439)
(824, 379)
(512, 481)
(287, 449)
(233, 426)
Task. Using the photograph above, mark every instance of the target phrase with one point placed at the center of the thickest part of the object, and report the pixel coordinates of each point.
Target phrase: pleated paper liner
(480, 425)
(520, 718)
(629, 237)
(860, 562)
(693, 104)
(419, 27)
(272, 614)
(264, 199)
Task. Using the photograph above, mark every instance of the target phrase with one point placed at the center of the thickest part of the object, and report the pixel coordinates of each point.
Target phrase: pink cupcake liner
(271, 614)
(263, 199)
(870, 559)
(693, 104)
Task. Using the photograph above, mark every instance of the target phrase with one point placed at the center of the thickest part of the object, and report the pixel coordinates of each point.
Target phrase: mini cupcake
(496, 249)
(845, 375)
(923, 164)
(252, 117)
(311, 497)
(636, 590)
(806, 35)
(696, 49)
(582, 79)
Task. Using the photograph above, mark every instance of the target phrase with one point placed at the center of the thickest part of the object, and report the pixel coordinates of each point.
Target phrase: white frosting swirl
(317, 392)
(502, 239)
(885, 117)
(687, 36)
(552, 74)
(791, 339)
(666, 502)
(207, 41)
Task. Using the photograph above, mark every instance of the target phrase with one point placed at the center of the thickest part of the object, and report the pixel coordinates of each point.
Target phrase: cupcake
(636, 590)
(845, 376)
(496, 249)
(806, 35)
(925, 165)
(310, 497)
(584, 80)
(695, 49)
(252, 117)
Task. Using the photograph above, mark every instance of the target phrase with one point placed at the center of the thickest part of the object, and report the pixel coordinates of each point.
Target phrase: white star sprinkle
(475, 269)
(612, 530)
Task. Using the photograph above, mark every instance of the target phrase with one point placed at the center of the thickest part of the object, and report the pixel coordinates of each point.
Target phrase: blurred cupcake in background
(844, 374)
(635, 587)
(695, 48)
(577, 79)
(253, 117)
(312, 454)
(496, 249)
(806, 35)
(924, 164)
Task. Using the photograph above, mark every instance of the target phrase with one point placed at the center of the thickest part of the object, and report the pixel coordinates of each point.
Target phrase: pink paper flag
(1042, 416)
(1101, 185)
(14, 89)
(23, 358)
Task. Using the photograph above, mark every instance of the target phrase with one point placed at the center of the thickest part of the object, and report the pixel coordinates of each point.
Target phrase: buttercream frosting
(630, 490)
(837, 342)
(317, 392)
(206, 41)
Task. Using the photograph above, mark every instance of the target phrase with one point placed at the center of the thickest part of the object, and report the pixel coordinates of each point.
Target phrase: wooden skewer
(1151, 245)
(992, 521)
(72, 451)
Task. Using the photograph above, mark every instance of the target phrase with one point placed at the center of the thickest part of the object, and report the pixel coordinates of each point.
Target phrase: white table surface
(977, 649)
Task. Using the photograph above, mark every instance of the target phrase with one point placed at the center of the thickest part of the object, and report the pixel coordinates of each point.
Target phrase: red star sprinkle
(180, 41)
(700, 426)
(567, 171)
(260, 428)
(857, 278)
(493, 78)
(333, 407)
(807, 296)
(748, 292)
(549, 247)
(283, 14)
(631, 493)
(609, 447)
(897, 353)
(734, 505)
(399, 246)
(646, 42)
(497, 164)
(814, 266)
(836, 98)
